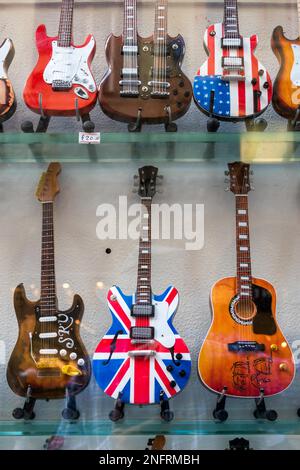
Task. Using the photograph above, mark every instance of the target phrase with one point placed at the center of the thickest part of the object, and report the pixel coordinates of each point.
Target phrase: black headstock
(147, 181)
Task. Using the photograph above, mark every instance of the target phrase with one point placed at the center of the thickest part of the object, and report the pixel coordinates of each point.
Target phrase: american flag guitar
(142, 359)
(232, 84)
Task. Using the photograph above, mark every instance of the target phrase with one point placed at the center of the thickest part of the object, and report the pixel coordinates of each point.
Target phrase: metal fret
(143, 291)
(244, 276)
(66, 23)
(231, 19)
(160, 83)
(129, 80)
(48, 284)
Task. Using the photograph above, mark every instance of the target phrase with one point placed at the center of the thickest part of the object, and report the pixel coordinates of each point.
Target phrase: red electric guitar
(62, 83)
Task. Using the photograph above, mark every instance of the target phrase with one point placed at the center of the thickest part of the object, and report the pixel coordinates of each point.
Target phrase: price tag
(89, 137)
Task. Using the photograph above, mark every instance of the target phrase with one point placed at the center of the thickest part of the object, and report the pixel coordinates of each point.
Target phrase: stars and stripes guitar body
(124, 369)
(229, 93)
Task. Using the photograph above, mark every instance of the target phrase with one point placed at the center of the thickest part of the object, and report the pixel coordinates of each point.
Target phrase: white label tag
(89, 137)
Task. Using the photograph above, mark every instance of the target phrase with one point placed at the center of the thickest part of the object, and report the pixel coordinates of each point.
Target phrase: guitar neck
(66, 23)
(130, 23)
(48, 284)
(231, 19)
(244, 277)
(143, 291)
(298, 14)
(161, 24)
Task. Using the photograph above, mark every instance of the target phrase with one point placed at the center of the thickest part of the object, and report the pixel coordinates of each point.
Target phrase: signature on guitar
(256, 372)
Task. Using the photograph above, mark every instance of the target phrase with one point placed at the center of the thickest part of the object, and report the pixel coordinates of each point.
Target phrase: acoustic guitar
(144, 81)
(286, 94)
(49, 359)
(244, 353)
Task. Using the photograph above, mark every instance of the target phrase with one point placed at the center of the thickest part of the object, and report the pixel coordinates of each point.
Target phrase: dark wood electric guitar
(144, 82)
(49, 359)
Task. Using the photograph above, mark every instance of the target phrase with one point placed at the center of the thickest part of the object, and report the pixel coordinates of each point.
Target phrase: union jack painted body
(140, 379)
(233, 99)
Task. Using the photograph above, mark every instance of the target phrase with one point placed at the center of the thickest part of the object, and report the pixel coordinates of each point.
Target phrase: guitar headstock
(48, 186)
(157, 443)
(239, 177)
(146, 181)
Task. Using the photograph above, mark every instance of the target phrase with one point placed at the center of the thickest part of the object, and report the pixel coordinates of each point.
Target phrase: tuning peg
(226, 173)
(135, 190)
(227, 188)
(252, 187)
(160, 177)
(226, 180)
(251, 172)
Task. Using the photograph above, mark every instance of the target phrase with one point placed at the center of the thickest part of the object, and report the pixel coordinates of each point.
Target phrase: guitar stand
(70, 412)
(42, 127)
(170, 126)
(261, 411)
(118, 412)
(137, 125)
(294, 124)
(213, 123)
(255, 125)
(239, 443)
(26, 412)
(165, 412)
(219, 412)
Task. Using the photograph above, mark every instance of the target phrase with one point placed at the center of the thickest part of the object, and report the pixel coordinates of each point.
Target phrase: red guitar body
(40, 96)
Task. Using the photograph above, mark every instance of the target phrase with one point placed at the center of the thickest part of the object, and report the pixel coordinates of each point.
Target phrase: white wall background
(19, 20)
(82, 262)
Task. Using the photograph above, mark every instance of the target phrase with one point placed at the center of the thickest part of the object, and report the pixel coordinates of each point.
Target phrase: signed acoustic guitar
(244, 353)
(49, 359)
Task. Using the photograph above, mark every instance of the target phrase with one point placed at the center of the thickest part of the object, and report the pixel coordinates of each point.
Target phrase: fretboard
(160, 46)
(298, 8)
(130, 23)
(231, 19)
(66, 23)
(143, 291)
(244, 277)
(48, 284)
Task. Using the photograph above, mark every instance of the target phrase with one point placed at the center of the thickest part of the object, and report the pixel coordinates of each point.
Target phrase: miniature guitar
(142, 360)
(144, 82)
(156, 443)
(62, 83)
(232, 84)
(244, 353)
(286, 95)
(49, 359)
(8, 102)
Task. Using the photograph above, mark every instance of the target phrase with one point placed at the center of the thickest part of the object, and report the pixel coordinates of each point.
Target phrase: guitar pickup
(246, 346)
(233, 63)
(61, 85)
(129, 49)
(139, 310)
(142, 333)
(232, 42)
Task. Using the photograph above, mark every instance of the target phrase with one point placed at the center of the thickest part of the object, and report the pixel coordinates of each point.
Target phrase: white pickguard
(4, 51)
(162, 332)
(295, 72)
(70, 64)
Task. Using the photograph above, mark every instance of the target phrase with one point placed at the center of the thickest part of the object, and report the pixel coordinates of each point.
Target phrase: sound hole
(245, 309)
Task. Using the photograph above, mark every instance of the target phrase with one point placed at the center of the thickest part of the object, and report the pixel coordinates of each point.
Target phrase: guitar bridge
(246, 346)
(61, 85)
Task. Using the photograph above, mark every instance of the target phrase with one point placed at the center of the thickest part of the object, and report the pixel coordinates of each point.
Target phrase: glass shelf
(252, 147)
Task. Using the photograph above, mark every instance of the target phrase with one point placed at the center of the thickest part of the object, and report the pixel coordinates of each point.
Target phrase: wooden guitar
(49, 359)
(8, 102)
(244, 353)
(142, 360)
(62, 83)
(286, 94)
(232, 84)
(144, 81)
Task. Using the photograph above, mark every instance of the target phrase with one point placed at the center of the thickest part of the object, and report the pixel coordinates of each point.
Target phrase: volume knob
(73, 356)
(283, 366)
(274, 347)
(63, 352)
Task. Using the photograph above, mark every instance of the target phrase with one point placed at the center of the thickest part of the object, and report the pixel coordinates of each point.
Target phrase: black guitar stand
(165, 413)
(42, 127)
(256, 125)
(118, 412)
(26, 412)
(261, 411)
(219, 413)
(170, 126)
(70, 412)
(294, 124)
(239, 443)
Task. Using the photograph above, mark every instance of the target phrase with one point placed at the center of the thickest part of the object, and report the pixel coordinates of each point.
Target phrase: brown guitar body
(244, 372)
(8, 102)
(44, 376)
(153, 110)
(286, 95)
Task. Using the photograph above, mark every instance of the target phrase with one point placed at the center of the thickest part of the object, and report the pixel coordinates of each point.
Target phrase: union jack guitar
(232, 84)
(142, 360)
